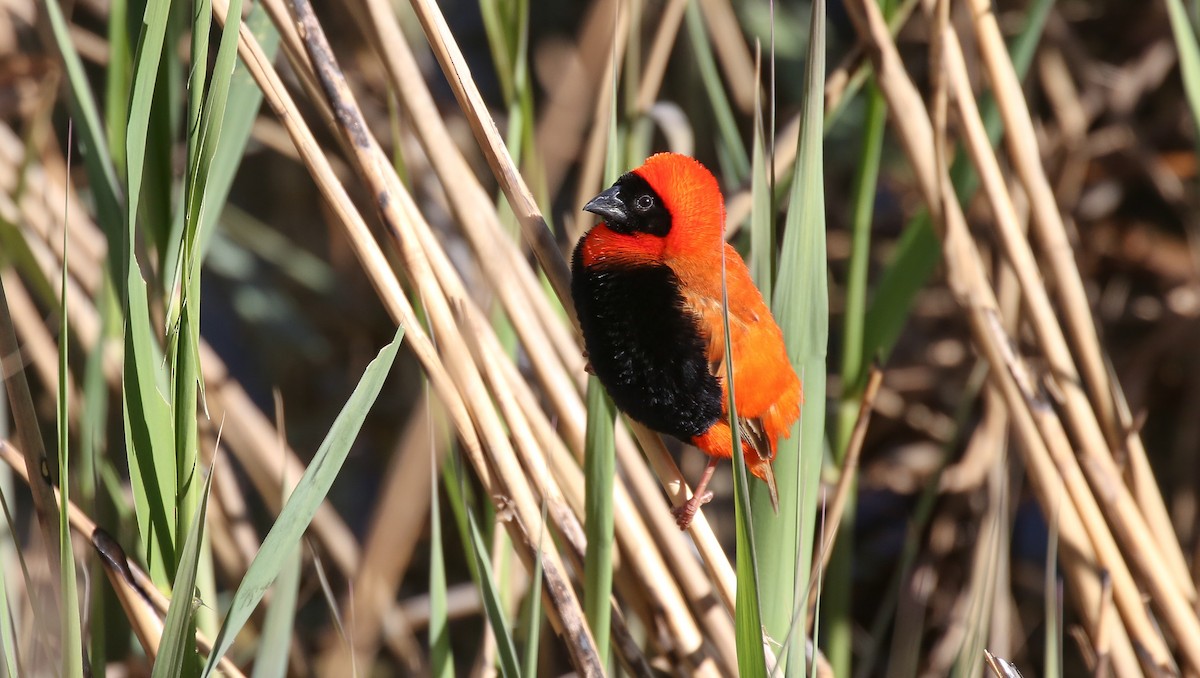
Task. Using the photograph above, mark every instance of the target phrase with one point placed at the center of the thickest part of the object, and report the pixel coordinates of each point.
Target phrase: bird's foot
(587, 364)
(685, 512)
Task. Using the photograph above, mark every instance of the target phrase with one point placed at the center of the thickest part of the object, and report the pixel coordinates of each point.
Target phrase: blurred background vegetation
(945, 546)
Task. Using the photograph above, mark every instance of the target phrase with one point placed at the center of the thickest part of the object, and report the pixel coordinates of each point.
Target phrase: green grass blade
(715, 89)
(271, 659)
(293, 520)
(177, 651)
(599, 459)
(117, 79)
(599, 466)
(458, 496)
(159, 210)
(204, 123)
(1189, 57)
(837, 587)
(145, 80)
(103, 178)
(93, 427)
(1052, 666)
(8, 637)
(441, 660)
(149, 438)
(70, 630)
(763, 253)
(533, 609)
(149, 428)
(747, 617)
(493, 606)
(801, 305)
(497, 32)
(863, 212)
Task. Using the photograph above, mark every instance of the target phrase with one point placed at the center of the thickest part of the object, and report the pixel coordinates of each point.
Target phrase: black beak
(609, 206)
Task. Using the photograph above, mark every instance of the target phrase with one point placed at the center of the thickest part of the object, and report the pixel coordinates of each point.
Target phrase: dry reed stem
(534, 228)
(374, 262)
(855, 66)
(552, 350)
(1021, 141)
(831, 521)
(147, 605)
(264, 88)
(990, 551)
(1118, 505)
(1102, 642)
(37, 464)
(399, 215)
(841, 492)
(646, 564)
(965, 275)
(1077, 554)
(1002, 668)
(971, 470)
(1048, 226)
(234, 527)
(37, 344)
(660, 54)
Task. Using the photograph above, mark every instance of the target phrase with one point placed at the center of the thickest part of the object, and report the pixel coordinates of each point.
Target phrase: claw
(687, 511)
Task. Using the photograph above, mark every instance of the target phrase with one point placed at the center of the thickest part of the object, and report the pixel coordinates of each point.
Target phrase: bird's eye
(644, 202)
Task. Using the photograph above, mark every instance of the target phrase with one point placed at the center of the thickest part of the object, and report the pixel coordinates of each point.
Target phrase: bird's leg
(700, 497)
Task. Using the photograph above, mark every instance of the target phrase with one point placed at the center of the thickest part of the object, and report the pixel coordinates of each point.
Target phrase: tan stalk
(269, 89)
(399, 213)
(965, 274)
(634, 536)
(1085, 421)
(660, 53)
(1021, 141)
(552, 350)
(663, 591)
(534, 228)
(1120, 509)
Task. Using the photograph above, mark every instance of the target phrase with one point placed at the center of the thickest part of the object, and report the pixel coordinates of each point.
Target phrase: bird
(646, 283)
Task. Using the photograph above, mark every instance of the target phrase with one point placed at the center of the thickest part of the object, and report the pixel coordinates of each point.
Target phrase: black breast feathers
(649, 352)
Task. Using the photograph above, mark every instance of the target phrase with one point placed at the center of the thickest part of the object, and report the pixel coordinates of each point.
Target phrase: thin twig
(849, 470)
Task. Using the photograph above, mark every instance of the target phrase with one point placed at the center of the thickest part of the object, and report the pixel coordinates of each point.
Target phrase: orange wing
(767, 389)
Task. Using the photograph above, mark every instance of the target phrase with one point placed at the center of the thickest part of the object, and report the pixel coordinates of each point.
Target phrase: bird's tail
(767, 473)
